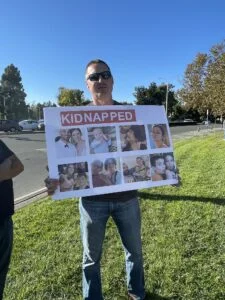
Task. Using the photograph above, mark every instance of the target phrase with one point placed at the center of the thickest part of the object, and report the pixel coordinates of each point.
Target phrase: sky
(144, 41)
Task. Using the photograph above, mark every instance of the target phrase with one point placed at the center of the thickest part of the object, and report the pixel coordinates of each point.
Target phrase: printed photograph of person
(77, 140)
(81, 181)
(158, 167)
(171, 170)
(158, 136)
(82, 167)
(63, 146)
(133, 137)
(111, 170)
(106, 173)
(73, 176)
(66, 177)
(99, 178)
(136, 168)
(102, 139)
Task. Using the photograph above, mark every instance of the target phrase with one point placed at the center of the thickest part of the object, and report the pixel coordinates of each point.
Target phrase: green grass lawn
(183, 232)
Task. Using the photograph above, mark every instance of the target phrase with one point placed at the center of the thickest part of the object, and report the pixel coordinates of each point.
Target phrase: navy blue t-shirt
(6, 186)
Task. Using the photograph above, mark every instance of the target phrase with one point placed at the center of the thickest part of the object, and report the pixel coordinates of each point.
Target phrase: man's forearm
(10, 168)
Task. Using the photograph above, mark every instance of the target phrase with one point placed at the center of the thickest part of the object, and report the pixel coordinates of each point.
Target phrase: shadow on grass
(149, 196)
(152, 296)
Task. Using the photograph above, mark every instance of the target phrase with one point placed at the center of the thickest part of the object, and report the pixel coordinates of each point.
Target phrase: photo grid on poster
(100, 158)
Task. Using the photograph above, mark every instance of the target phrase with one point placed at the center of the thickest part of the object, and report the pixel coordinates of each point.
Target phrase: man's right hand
(51, 185)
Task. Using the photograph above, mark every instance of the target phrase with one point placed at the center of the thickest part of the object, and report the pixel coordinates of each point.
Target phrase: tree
(215, 79)
(204, 82)
(193, 93)
(12, 100)
(126, 103)
(71, 97)
(155, 95)
(35, 111)
(1, 104)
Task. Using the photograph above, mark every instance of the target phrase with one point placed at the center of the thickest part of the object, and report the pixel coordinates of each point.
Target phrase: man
(95, 211)
(63, 147)
(10, 166)
(123, 207)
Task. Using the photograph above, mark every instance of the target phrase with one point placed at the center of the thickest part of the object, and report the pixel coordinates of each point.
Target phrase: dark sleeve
(5, 152)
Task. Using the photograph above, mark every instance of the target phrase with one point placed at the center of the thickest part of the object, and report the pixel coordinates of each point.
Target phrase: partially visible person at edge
(10, 166)
(95, 211)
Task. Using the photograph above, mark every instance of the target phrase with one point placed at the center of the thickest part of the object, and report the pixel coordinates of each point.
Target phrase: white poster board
(95, 150)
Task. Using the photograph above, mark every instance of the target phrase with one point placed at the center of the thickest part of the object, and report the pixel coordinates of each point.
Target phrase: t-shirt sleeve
(5, 152)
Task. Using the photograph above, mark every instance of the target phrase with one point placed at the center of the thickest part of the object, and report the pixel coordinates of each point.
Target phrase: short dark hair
(97, 61)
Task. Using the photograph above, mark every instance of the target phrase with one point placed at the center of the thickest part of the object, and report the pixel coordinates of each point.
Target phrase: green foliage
(155, 95)
(126, 103)
(71, 97)
(182, 232)
(12, 99)
(204, 82)
(35, 111)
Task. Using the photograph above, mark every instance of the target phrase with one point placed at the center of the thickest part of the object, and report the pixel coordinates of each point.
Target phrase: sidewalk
(198, 132)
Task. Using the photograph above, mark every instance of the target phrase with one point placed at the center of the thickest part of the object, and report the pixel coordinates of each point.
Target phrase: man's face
(64, 134)
(139, 161)
(102, 88)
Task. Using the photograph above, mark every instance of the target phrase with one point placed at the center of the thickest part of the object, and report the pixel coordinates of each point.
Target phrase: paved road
(31, 149)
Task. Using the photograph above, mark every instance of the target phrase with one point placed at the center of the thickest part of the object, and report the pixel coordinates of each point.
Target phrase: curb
(29, 198)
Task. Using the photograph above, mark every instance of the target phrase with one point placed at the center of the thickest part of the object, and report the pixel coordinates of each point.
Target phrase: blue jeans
(6, 241)
(94, 216)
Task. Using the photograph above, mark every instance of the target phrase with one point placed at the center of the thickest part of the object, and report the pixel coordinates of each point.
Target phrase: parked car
(9, 125)
(188, 121)
(41, 125)
(28, 125)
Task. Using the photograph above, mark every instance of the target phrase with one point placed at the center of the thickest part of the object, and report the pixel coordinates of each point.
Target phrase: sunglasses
(95, 76)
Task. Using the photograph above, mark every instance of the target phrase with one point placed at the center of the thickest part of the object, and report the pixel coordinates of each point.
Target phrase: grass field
(183, 232)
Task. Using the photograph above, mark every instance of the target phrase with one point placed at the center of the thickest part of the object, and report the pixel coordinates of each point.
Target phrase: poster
(95, 150)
